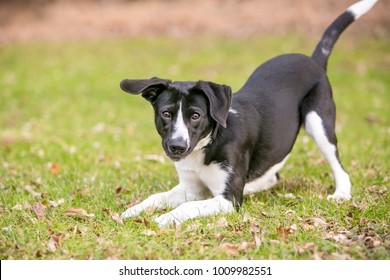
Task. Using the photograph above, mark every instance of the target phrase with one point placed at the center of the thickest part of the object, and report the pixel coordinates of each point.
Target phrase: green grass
(69, 132)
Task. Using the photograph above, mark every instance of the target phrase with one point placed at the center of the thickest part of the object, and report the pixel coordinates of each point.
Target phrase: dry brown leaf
(53, 243)
(247, 245)
(317, 222)
(54, 168)
(339, 237)
(294, 227)
(308, 246)
(119, 190)
(133, 203)
(142, 221)
(283, 233)
(255, 230)
(39, 210)
(117, 219)
(78, 212)
(337, 256)
(229, 249)
(307, 227)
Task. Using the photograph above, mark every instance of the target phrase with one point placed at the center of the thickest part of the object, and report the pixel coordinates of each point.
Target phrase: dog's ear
(220, 98)
(149, 88)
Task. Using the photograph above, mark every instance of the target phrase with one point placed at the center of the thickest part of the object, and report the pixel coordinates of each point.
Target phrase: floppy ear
(149, 88)
(220, 98)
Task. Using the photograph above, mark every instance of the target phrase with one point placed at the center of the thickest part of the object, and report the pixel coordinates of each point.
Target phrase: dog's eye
(166, 115)
(195, 116)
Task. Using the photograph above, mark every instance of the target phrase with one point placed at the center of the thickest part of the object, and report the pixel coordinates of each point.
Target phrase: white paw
(339, 196)
(167, 219)
(132, 212)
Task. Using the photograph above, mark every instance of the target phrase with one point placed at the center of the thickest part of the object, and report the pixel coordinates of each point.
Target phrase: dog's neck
(204, 142)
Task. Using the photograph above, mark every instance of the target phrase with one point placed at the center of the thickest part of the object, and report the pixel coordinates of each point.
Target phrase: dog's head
(185, 112)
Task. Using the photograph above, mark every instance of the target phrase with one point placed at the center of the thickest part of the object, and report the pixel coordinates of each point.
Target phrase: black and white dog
(225, 146)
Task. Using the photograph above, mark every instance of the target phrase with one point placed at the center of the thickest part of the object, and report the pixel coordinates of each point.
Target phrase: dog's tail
(332, 33)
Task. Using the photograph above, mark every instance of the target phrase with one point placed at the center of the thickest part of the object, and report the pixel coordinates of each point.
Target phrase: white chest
(193, 171)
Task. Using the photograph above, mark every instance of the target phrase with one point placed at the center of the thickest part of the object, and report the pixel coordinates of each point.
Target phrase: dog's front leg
(172, 198)
(194, 209)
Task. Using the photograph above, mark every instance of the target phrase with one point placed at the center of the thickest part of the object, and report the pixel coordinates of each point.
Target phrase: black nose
(177, 146)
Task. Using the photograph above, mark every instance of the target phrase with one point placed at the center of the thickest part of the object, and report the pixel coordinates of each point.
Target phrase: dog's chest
(193, 171)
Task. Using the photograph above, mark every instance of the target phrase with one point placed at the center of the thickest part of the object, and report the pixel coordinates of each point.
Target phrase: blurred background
(22, 20)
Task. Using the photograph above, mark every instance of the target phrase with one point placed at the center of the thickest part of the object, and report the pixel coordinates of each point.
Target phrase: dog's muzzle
(177, 148)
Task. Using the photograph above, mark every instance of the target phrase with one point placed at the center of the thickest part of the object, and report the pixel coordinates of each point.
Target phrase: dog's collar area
(213, 136)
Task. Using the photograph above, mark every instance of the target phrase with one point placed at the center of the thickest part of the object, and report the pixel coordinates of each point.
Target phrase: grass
(71, 139)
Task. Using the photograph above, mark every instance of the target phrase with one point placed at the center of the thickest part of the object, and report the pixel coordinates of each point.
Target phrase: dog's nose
(177, 146)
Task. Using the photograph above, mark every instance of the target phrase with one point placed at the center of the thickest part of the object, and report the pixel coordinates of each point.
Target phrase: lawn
(75, 151)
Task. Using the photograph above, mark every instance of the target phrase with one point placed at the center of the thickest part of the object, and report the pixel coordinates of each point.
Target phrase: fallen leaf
(283, 233)
(146, 223)
(57, 203)
(17, 207)
(308, 246)
(339, 237)
(117, 219)
(371, 242)
(54, 168)
(247, 245)
(222, 222)
(133, 203)
(119, 190)
(317, 222)
(255, 230)
(289, 212)
(32, 191)
(294, 227)
(229, 249)
(54, 242)
(149, 232)
(307, 227)
(39, 210)
(337, 256)
(289, 196)
(79, 212)
(51, 245)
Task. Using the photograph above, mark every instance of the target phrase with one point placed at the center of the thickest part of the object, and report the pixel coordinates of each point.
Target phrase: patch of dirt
(26, 20)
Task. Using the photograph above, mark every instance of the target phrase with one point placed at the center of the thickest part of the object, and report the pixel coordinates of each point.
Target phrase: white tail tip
(360, 8)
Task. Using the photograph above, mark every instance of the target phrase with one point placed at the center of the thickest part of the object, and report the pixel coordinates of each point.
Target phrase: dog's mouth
(177, 156)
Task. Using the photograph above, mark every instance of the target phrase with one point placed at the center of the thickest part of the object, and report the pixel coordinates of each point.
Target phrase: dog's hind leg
(267, 181)
(319, 114)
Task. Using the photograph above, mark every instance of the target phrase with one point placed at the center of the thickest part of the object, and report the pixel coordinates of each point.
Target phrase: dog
(227, 145)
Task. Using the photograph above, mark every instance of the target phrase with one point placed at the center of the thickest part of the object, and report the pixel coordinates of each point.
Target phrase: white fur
(315, 128)
(194, 209)
(267, 181)
(232, 111)
(196, 182)
(180, 130)
(360, 8)
(325, 51)
(211, 176)
(203, 142)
